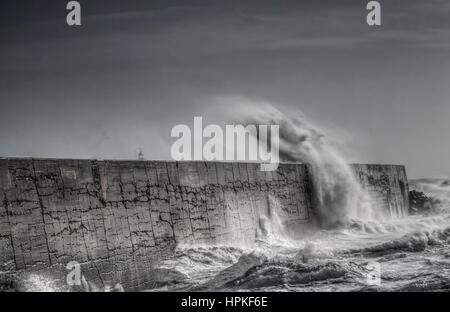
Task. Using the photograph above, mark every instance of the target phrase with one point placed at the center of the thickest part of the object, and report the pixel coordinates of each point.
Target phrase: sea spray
(270, 227)
(338, 194)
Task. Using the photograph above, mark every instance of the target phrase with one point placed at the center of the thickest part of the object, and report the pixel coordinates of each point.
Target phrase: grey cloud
(137, 68)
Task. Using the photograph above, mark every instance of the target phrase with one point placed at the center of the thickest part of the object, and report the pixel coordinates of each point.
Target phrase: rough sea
(407, 254)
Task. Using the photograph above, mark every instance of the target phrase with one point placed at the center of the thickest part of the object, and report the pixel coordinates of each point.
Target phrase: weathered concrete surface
(388, 186)
(118, 218)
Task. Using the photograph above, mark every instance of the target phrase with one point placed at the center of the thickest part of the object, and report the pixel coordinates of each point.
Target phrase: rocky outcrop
(118, 218)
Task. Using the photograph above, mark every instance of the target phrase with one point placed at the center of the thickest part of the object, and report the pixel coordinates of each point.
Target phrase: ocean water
(354, 247)
(409, 254)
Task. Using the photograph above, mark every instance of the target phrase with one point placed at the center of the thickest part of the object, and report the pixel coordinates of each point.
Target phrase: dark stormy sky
(134, 69)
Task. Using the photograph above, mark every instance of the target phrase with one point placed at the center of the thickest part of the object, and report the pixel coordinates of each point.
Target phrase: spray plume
(338, 194)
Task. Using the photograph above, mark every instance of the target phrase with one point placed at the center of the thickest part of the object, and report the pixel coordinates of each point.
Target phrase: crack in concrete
(42, 211)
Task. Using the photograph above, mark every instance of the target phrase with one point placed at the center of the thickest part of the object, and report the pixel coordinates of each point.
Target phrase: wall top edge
(171, 161)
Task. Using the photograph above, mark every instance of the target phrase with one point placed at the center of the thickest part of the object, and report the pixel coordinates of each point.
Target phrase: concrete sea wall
(118, 218)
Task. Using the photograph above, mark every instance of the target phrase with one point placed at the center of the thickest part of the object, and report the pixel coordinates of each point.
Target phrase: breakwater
(118, 218)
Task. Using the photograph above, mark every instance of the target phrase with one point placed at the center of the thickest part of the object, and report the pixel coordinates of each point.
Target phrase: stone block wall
(118, 218)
